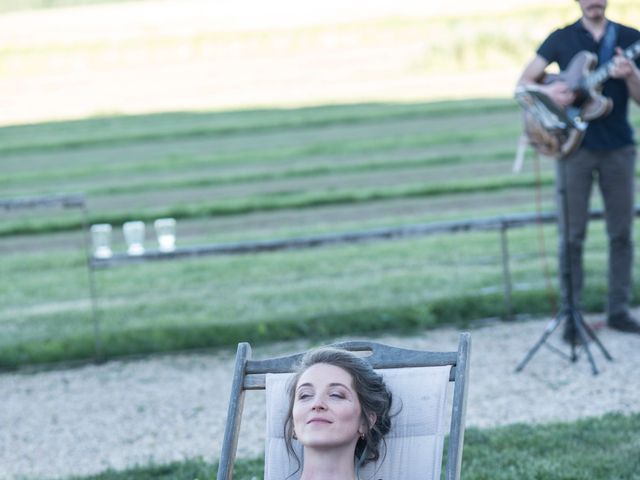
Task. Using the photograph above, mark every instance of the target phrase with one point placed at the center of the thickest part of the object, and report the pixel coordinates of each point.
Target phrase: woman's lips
(318, 420)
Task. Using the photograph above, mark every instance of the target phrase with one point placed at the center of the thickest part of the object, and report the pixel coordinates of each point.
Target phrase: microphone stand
(582, 332)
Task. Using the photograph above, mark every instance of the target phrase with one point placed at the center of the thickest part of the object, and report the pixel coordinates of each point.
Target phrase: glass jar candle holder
(134, 236)
(166, 234)
(101, 240)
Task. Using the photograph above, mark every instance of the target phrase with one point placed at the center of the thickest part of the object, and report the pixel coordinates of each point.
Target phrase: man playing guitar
(607, 152)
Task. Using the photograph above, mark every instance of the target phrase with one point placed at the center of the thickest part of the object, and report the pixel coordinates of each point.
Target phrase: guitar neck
(601, 74)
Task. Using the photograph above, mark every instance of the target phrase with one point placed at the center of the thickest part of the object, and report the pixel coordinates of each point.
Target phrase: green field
(265, 174)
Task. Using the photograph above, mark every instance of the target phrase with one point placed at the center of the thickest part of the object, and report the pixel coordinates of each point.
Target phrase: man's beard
(595, 12)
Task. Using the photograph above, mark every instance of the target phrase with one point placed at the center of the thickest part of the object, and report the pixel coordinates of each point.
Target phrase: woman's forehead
(324, 374)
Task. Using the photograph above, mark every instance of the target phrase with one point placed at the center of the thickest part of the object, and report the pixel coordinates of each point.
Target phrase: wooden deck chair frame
(251, 375)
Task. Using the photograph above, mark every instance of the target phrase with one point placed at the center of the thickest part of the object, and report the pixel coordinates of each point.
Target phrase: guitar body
(551, 142)
(589, 101)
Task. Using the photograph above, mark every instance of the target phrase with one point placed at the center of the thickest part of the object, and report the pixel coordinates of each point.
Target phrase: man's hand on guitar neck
(621, 66)
(626, 69)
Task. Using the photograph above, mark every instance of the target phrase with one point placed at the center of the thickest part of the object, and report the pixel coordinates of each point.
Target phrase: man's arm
(627, 70)
(534, 71)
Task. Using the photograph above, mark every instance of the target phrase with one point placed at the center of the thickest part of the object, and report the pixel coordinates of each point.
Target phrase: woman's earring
(362, 436)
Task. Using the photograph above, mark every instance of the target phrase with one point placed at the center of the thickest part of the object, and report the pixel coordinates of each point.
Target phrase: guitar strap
(608, 43)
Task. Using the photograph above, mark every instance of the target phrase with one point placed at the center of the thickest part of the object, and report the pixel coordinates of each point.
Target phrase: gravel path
(124, 413)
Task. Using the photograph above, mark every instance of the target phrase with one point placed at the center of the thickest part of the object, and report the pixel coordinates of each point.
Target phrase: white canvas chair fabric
(414, 444)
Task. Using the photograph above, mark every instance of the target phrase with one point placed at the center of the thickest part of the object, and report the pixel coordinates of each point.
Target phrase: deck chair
(418, 380)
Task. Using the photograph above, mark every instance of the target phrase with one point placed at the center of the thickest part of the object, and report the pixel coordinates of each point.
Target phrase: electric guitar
(555, 131)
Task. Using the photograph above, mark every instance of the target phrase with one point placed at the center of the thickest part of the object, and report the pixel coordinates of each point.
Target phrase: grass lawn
(606, 448)
(260, 175)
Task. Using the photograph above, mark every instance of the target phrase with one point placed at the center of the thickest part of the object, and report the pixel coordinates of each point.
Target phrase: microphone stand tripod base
(582, 332)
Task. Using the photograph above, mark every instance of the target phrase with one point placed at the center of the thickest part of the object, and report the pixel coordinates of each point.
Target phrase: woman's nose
(318, 404)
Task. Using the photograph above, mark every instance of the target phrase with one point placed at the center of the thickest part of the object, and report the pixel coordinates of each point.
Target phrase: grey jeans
(614, 171)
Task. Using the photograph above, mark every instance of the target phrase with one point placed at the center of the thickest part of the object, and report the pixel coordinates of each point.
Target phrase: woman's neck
(336, 464)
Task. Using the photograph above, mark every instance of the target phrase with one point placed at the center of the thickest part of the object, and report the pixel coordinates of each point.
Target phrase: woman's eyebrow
(338, 384)
(334, 384)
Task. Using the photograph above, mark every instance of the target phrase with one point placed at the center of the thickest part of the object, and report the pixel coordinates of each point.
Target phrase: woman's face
(326, 409)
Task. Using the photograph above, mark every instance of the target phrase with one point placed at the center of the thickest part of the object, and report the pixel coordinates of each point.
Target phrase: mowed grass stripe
(170, 156)
(273, 149)
(292, 199)
(174, 126)
(123, 178)
(305, 170)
